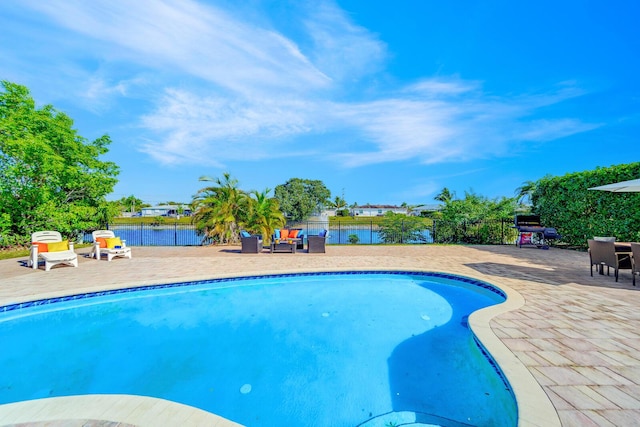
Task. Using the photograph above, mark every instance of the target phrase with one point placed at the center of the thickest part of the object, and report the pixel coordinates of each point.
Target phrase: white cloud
(193, 128)
(449, 124)
(446, 121)
(227, 89)
(190, 37)
(343, 50)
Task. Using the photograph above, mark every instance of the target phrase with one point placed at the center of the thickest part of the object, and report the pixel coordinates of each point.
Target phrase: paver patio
(578, 336)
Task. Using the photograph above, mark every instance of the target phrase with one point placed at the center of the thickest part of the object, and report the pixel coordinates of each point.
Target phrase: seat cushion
(42, 247)
(113, 242)
(58, 246)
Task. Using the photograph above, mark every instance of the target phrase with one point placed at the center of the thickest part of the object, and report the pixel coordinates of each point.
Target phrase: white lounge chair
(100, 246)
(51, 257)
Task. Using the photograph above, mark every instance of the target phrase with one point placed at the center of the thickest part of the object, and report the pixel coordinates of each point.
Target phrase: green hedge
(566, 203)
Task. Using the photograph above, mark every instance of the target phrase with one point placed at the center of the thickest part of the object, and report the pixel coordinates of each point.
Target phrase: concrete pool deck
(569, 343)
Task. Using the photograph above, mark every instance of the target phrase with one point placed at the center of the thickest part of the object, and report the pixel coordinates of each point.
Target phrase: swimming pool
(331, 349)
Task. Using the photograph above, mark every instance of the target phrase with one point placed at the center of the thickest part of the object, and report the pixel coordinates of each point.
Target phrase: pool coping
(534, 406)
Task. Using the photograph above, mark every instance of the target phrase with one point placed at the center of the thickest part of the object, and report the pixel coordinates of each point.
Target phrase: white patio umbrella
(632, 186)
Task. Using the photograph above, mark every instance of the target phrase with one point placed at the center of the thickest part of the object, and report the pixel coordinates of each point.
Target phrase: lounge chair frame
(97, 252)
(68, 257)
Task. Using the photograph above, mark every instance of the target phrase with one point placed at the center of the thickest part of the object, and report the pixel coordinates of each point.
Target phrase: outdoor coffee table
(284, 247)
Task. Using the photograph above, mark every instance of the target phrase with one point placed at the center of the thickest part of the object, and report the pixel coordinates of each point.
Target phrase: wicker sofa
(299, 236)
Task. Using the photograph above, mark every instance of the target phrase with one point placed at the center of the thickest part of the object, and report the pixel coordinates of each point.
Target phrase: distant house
(426, 209)
(377, 210)
(164, 210)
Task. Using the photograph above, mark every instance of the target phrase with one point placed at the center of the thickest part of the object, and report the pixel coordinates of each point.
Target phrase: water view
(185, 235)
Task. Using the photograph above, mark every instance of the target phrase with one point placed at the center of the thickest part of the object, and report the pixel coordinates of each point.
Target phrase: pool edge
(115, 408)
(535, 409)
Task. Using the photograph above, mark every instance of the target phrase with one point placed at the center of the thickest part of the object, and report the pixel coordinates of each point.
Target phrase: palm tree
(445, 196)
(264, 214)
(525, 192)
(408, 207)
(338, 203)
(220, 210)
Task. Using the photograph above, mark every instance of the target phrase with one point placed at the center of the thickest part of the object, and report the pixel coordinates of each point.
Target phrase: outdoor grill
(532, 232)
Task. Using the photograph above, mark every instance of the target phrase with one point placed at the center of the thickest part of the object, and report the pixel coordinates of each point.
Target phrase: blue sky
(385, 102)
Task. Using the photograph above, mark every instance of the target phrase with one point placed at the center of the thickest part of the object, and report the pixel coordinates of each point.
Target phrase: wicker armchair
(251, 244)
(317, 244)
(603, 254)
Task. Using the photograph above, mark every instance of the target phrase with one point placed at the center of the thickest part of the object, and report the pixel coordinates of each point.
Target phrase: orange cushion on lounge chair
(102, 241)
(293, 234)
(284, 233)
(42, 247)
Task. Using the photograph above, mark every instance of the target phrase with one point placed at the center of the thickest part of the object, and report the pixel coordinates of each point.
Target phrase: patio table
(284, 246)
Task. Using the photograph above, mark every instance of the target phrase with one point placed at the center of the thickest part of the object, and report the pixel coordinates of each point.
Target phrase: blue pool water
(338, 349)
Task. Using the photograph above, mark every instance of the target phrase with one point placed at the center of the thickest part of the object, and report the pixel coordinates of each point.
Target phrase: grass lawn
(13, 253)
(365, 220)
(24, 252)
(152, 220)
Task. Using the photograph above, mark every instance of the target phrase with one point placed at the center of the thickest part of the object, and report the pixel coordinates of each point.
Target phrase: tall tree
(400, 228)
(445, 196)
(221, 210)
(525, 192)
(299, 198)
(474, 219)
(338, 203)
(131, 204)
(264, 214)
(50, 176)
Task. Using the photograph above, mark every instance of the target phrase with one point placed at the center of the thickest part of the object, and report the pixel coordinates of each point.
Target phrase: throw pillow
(293, 234)
(102, 241)
(42, 247)
(245, 233)
(113, 242)
(284, 233)
(322, 233)
(276, 233)
(58, 246)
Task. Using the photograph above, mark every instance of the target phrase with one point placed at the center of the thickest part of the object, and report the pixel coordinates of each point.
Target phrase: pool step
(410, 419)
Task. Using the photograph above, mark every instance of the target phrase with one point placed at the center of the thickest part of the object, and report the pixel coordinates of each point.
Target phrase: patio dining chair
(635, 261)
(603, 254)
